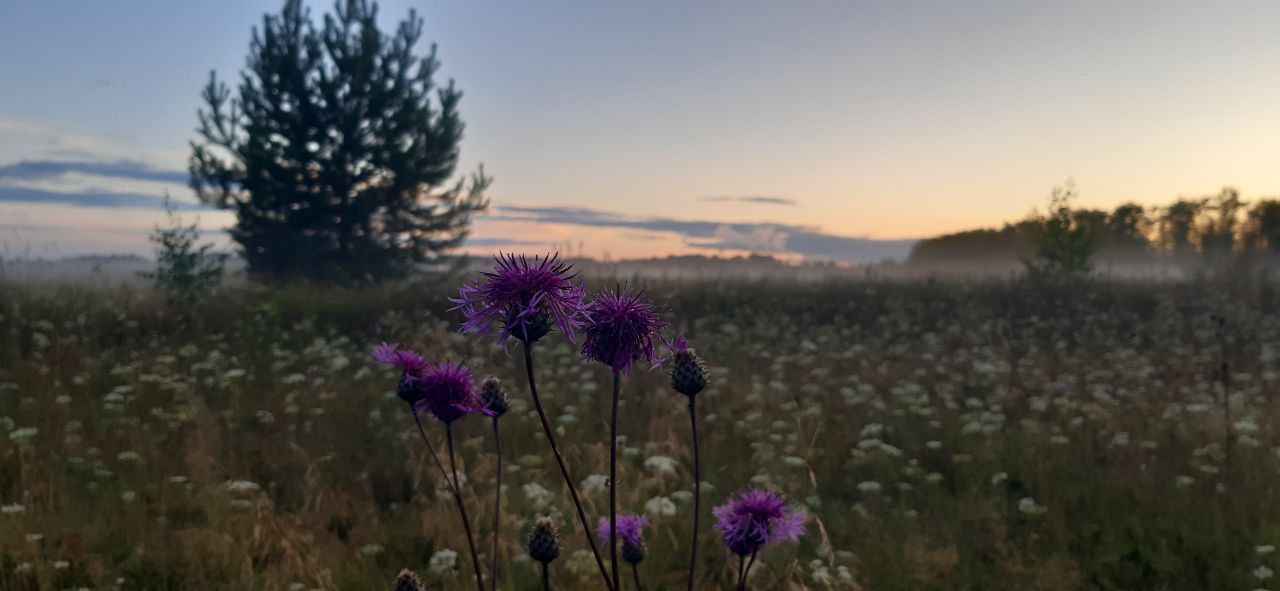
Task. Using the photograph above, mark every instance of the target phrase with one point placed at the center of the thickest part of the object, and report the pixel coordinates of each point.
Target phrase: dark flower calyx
(408, 391)
(407, 581)
(689, 374)
(544, 541)
(494, 397)
(528, 329)
(633, 553)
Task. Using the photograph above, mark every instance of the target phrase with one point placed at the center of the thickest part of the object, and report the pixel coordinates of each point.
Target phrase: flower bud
(633, 553)
(407, 581)
(544, 541)
(689, 374)
(494, 397)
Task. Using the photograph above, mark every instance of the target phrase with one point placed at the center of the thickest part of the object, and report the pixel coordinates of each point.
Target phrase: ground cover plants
(936, 435)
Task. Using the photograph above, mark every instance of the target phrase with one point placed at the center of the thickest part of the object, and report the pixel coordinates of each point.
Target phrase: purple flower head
(753, 518)
(523, 298)
(630, 528)
(410, 363)
(621, 328)
(447, 391)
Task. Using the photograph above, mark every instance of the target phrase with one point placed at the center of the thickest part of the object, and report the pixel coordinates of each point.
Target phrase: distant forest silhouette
(1217, 228)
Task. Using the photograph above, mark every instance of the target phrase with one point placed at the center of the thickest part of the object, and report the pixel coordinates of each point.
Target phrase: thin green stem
(462, 508)
(742, 586)
(613, 480)
(697, 491)
(564, 470)
(432, 449)
(497, 505)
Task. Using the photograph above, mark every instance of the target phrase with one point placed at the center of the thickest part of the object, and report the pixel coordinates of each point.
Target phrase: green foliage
(184, 269)
(1262, 226)
(1220, 227)
(336, 150)
(1065, 239)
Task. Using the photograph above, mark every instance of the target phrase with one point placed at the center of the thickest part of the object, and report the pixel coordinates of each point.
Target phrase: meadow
(990, 434)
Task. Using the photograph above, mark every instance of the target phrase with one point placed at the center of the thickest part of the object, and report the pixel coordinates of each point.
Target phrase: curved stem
(742, 559)
(462, 507)
(431, 448)
(743, 585)
(497, 506)
(697, 491)
(564, 470)
(635, 575)
(613, 480)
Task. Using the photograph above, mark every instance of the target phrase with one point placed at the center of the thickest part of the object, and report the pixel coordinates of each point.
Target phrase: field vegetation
(941, 435)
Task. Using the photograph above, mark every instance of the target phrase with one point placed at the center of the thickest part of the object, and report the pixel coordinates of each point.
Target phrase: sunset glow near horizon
(647, 129)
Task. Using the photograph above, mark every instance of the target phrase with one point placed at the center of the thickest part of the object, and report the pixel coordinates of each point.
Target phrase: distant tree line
(1217, 228)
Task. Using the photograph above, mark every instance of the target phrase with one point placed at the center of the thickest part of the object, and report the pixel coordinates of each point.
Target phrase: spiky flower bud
(689, 374)
(407, 581)
(494, 397)
(633, 553)
(544, 541)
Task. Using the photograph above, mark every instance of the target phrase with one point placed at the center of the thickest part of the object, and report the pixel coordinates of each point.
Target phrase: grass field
(985, 435)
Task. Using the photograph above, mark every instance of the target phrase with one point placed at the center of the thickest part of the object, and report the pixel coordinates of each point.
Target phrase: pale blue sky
(879, 119)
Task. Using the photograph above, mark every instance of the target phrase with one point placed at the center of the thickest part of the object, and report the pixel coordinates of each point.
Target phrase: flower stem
(564, 470)
(462, 507)
(497, 506)
(432, 449)
(742, 559)
(742, 585)
(613, 480)
(635, 575)
(546, 580)
(697, 490)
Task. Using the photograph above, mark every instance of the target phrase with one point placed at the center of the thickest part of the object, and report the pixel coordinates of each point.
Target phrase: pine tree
(185, 269)
(336, 152)
(1064, 241)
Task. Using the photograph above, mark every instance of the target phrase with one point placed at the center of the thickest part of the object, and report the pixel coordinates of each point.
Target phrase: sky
(839, 130)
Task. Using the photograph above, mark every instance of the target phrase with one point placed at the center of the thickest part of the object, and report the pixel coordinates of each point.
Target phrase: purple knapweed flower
(630, 528)
(410, 363)
(621, 327)
(447, 391)
(753, 518)
(523, 298)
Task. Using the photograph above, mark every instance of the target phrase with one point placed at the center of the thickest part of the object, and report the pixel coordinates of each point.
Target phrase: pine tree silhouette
(337, 150)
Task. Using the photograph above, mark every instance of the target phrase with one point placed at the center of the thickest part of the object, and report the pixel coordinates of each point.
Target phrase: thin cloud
(92, 199)
(28, 170)
(806, 241)
(753, 199)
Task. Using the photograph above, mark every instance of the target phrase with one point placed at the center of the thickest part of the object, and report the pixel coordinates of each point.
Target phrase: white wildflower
(442, 562)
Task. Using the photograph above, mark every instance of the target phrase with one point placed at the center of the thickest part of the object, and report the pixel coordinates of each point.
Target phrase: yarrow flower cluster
(621, 328)
(754, 518)
(523, 298)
